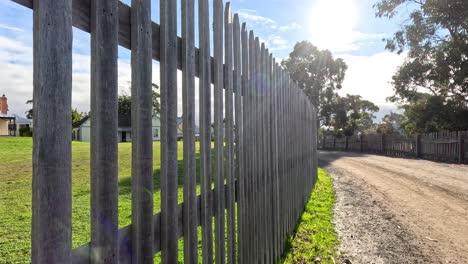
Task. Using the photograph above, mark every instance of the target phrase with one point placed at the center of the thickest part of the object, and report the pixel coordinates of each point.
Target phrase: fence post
(104, 149)
(229, 131)
(218, 130)
(52, 150)
(205, 131)
(361, 139)
(190, 163)
(383, 143)
(418, 146)
(346, 143)
(461, 149)
(334, 142)
(168, 71)
(324, 138)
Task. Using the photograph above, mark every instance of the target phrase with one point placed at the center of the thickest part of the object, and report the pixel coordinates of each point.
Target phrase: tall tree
(156, 103)
(351, 114)
(125, 102)
(29, 113)
(319, 74)
(76, 116)
(391, 124)
(436, 37)
(428, 113)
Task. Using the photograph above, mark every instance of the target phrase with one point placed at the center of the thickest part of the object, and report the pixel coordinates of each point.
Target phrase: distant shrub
(25, 131)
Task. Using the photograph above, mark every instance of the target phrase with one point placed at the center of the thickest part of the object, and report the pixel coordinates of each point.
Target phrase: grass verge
(15, 194)
(315, 238)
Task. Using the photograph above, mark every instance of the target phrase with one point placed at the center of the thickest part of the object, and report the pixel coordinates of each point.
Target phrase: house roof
(81, 122)
(22, 120)
(179, 128)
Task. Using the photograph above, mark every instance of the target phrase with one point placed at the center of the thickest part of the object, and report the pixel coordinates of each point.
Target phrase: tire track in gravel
(392, 210)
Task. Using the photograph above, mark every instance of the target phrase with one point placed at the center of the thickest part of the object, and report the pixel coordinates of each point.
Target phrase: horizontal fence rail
(263, 166)
(445, 146)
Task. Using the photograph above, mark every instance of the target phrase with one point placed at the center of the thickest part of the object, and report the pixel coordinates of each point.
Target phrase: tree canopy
(125, 102)
(76, 116)
(436, 37)
(428, 113)
(318, 73)
(351, 114)
(390, 124)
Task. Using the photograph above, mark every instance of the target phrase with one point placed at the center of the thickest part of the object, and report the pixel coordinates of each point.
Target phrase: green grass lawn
(15, 194)
(315, 236)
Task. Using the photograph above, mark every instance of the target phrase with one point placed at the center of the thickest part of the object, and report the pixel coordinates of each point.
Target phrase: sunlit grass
(15, 194)
(315, 237)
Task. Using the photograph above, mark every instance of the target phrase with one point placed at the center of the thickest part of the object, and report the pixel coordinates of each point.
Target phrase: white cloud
(292, 26)
(370, 77)
(270, 28)
(252, 16)
(275, 42)
(4, 26)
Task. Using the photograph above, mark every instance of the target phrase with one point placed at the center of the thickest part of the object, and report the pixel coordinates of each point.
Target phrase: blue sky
(347, 27)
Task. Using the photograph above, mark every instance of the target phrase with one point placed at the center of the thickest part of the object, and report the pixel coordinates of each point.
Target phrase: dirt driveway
(392, 210)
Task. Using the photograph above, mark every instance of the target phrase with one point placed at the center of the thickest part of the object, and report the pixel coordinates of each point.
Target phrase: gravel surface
(392, 210)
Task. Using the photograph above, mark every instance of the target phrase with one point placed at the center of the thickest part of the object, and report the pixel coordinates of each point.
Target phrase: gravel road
(392, 210)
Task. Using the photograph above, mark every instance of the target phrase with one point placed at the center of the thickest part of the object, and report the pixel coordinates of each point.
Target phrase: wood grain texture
(251, 143)
(219, 131)
(52, 86)
(239, 138)
(229, 134)
(257, 153)
(262, 153)
(244, 242)
(169, 243)
(104, 150)
(275, 162)
(190, 168)
(142, 140)
(204, 64)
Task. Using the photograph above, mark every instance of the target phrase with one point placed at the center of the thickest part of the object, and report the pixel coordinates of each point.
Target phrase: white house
(180, 129)
(10, 125)
(82, 129)
(22, 122)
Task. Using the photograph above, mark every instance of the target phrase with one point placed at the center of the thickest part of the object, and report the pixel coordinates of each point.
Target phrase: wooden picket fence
(264, 165)
(446, 146)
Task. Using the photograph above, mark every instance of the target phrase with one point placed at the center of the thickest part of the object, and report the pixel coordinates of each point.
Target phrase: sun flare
(332, 23)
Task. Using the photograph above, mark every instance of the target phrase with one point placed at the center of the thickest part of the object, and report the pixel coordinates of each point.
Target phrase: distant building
(7, 122)
(22, 122)
(180, 129)
(82, 129)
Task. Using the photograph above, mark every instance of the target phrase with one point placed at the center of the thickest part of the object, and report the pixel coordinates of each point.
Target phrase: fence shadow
(125, 184)
(326, 157)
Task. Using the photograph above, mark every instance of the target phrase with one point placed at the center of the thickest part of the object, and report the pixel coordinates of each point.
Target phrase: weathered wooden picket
(265, 151)
(443, 146)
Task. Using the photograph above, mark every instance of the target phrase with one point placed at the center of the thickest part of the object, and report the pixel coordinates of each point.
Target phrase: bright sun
(332, 24)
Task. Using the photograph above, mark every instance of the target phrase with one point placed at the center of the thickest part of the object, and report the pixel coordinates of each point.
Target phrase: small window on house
(155, 133)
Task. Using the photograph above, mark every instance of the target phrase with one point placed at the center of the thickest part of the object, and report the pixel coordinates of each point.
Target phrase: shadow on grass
(125, 184)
